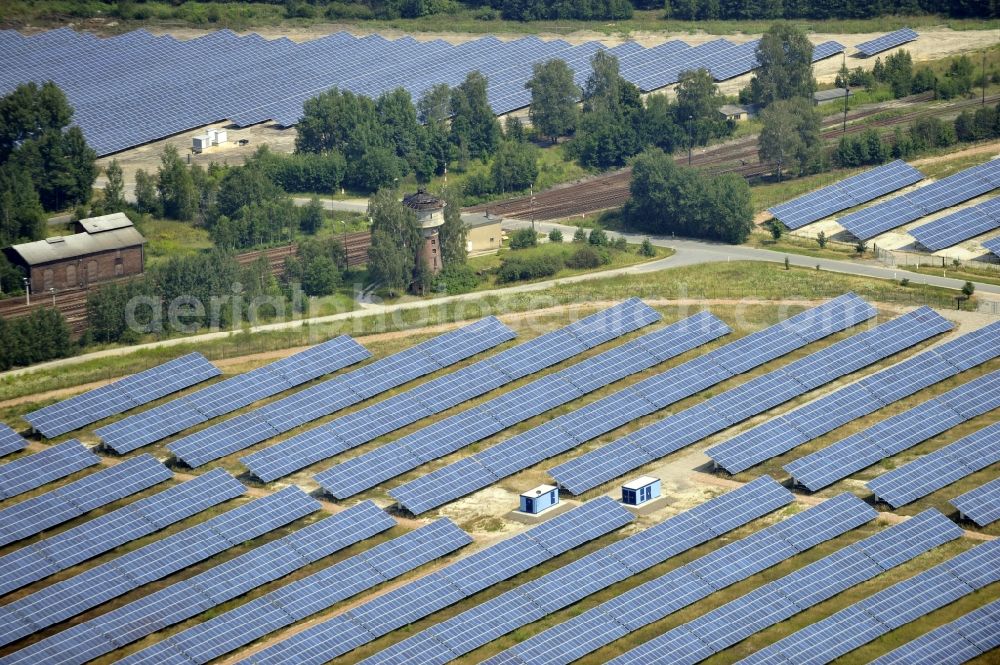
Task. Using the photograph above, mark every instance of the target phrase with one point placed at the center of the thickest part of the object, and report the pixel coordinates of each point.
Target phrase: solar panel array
(967, 637)
(962, 186)
(210, 588)
(64, 503)
(744, 401)
(942, 467)
(839, 407)
(102, 534)
(886, 42)
(897, 433)
(785, 597)
(600, 569)
(122, 395)
(10, 441)
(656, 599)
(566, 431)
(298, 600)
(150, 87)
(981, 505)
(242, 431)
(412, 601)
(845, 194)
(450, 390)
(882, 612)
(959, 226)
(32, 471)
(231, 394)
(993, 244)
(67, 598)
(453, 433)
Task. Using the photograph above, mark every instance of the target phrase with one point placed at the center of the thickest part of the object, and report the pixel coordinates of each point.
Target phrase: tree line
(40, 336)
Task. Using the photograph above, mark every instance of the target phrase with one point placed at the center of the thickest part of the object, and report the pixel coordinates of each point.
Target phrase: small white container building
(541, 498)
(214, 137)
(641, 490)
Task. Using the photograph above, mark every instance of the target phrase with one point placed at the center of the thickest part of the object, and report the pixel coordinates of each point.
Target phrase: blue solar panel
(231, 394)
(235, 434)
(965, 638)
(122, 395)
(10, 441)
(419, 598)
(845, 194)
(886, 42)
(981, 505)
(185, 599)
(720, 411)
(451, 434)
(888, 609)
(447, 391)
(959, 226)
(32, 471)
(101, 534)
(99, 584)
(485, 622)
(868, 223)
(993, 244)
(41, 512)
(935, 470)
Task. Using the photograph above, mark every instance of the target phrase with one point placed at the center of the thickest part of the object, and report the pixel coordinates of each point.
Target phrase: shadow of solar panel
(37, 469)
(886, 42)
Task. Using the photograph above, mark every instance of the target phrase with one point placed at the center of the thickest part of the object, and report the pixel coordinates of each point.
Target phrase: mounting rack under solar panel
(938, 469)
(781, 599)
(886, 42)
(10, 441)
(419, 598)
(981, 505)
(67, 598)
(208, 589)
(33, 471)
(667, 594)
(845, 194)
(959, 226)
(101, 534)
(967, 637)
(993, 245)
(870, 222)
(122, 395)
(230, 394)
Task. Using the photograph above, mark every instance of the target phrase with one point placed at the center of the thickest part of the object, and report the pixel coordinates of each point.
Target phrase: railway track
(612, 190)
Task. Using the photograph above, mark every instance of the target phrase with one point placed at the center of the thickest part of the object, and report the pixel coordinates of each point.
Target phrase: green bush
(456, 278)
(646, 248)
(588, 257)
(555, 235)
(523, 238)
(515, 268)
(598, 237)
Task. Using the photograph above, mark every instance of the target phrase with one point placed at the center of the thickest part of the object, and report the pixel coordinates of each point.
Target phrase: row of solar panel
(782, 434)
(942, 467)
(102, 534)
(749, 399)
(781, 599)
(155, 86)
(959, 226)
(981, 505)
(231, 394)
(967, 637)
(897, 433)
(886, 42)
(416, 599)
(97, 585)
(33, 471)
(232, 435)
(231, 579)
(643, 398)
(870, 222)
(993, 245)
(122, 395)
(455, 432)
(64, 503)
(598, 570)
(446, 391)
(660, 597)
(10, 441)
(884, 611)
(845, 194)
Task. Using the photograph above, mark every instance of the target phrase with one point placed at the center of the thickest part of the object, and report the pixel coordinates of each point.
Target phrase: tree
(555, 235)
(608, 132)
(389, 263)
(433, 110)
(146, 199)
(30, 111)
(646, 248)
(114, 190)
(473, 123)
(968, 289)
(178, 199)
(311, 216)
(453, 234)
(523, 238)
(776, 228)
(244, 186)
(21, 214)
(553, 98)
(821, 240)
(395, 240)
(603, 87)
(698, 99)
(514, 167)
(580, 235)
(784, 71)
(790, 136)
(513, 129)
(899, 73)
(398, 118)
(598, 237)
(660, 126)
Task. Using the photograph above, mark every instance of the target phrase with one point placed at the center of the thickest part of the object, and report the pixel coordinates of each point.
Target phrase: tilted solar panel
(959, 226)
(967, 637)
(886, 42)
(993, 244)
(981, 505)
(35, 470)
(122, 395)
(11, 441)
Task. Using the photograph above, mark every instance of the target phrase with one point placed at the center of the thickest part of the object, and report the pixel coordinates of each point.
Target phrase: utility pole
(847, 87)
(690, 138)
(531, 201)
(984, 77)
(27, 290)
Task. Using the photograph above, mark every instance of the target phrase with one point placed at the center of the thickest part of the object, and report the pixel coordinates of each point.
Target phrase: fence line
(895, 258)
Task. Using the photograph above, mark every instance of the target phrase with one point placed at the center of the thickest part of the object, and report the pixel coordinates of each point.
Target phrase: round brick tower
(430, 215)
